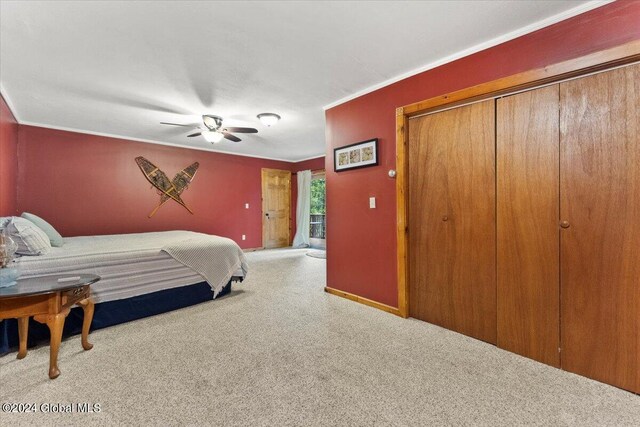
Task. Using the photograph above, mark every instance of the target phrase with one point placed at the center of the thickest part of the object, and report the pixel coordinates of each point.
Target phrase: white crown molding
(149, 141)
(310, 158)
(10, 104)
(585, 7)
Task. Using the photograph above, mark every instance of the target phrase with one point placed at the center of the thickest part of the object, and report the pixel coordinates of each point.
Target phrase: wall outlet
(372, 202)
(246, 205)
(244, 237)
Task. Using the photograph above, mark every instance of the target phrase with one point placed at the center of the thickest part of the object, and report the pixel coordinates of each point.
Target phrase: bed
(141, 274)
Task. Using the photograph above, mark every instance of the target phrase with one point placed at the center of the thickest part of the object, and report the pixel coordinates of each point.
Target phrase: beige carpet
(279, 351)
(317, 254)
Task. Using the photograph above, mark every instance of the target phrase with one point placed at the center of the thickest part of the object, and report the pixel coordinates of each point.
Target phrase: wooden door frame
(594, 62)
(262, 171)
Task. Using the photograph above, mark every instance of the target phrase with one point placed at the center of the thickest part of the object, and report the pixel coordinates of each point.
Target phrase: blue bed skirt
(113, 313)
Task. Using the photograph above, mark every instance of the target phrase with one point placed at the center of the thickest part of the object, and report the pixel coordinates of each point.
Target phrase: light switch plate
(246, 205)
(372, 202)
(244, 237)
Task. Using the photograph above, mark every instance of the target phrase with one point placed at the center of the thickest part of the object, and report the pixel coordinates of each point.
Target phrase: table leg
(55, 322)
(23, 333)
(87, 307)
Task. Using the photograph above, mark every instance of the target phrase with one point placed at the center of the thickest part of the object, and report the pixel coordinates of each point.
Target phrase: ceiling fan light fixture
(269, 119)
(211, 122)
(212, 136)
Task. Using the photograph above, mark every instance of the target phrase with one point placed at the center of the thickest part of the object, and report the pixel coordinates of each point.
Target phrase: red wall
(85, 184)
(361, 242)
(311, 164)
(8, 160)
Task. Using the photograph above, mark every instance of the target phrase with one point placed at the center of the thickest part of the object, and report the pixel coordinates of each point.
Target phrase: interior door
(600, 238)
(276, 208)
(528, 247)
(452, 219)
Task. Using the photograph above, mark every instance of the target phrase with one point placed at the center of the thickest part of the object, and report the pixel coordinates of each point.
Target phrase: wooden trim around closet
(362, 300)
(598, 61)
(402, 226)
(602, 60)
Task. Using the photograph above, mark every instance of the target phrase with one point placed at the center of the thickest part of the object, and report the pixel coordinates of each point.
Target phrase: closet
(524, 223)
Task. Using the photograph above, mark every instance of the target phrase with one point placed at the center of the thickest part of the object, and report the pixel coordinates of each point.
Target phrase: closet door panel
(528, 287)
(472, 220)
(600, 200)
(429, 296)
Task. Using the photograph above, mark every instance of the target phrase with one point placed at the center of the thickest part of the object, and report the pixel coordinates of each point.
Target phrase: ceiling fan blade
(240, 130)
(230, 137)
(177, 124)
(194, 134)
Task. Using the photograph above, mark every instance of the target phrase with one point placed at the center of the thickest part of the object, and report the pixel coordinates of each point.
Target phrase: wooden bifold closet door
(452, 219)
(528, 251)
(600, 238)
(538, 248)
(568, 198)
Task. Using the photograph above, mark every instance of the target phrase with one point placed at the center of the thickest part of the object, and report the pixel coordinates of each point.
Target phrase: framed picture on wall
(354, 156)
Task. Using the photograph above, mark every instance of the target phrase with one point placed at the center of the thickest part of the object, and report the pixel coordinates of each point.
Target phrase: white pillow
(54, 237)
(30, 239)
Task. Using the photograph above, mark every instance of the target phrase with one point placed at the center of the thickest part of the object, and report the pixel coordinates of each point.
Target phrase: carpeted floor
(279, 351)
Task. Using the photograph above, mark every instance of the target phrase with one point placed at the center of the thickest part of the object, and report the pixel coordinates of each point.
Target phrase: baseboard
(252, 249)
(362, 300)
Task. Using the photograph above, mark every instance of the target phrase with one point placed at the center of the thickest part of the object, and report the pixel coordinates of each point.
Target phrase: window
(318, 206)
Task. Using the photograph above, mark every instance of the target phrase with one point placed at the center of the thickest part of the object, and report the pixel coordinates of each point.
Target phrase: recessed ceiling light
(269, 119)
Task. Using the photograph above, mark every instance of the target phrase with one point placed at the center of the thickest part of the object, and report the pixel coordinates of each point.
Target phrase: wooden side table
(48, 299)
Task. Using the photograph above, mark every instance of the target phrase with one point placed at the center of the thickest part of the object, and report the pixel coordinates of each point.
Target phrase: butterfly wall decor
(166, 188)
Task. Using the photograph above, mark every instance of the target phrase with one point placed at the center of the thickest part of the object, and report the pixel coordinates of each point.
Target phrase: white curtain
(303, 210)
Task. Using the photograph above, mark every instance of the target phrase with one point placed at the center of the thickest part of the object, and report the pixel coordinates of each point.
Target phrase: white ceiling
(119, 68)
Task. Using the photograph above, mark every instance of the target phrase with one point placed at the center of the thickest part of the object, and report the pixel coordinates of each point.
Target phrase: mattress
(128, 264)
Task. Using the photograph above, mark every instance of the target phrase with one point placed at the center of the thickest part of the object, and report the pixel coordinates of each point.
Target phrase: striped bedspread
(141, 263)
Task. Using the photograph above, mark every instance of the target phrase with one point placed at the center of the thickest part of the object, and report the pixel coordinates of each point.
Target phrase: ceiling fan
(213, 131)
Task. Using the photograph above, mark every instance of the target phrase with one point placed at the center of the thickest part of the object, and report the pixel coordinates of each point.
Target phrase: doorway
(276, 208)
(317, 223)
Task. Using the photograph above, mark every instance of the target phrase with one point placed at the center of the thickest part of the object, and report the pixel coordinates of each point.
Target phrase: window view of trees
(317, 197)
(317, 224)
